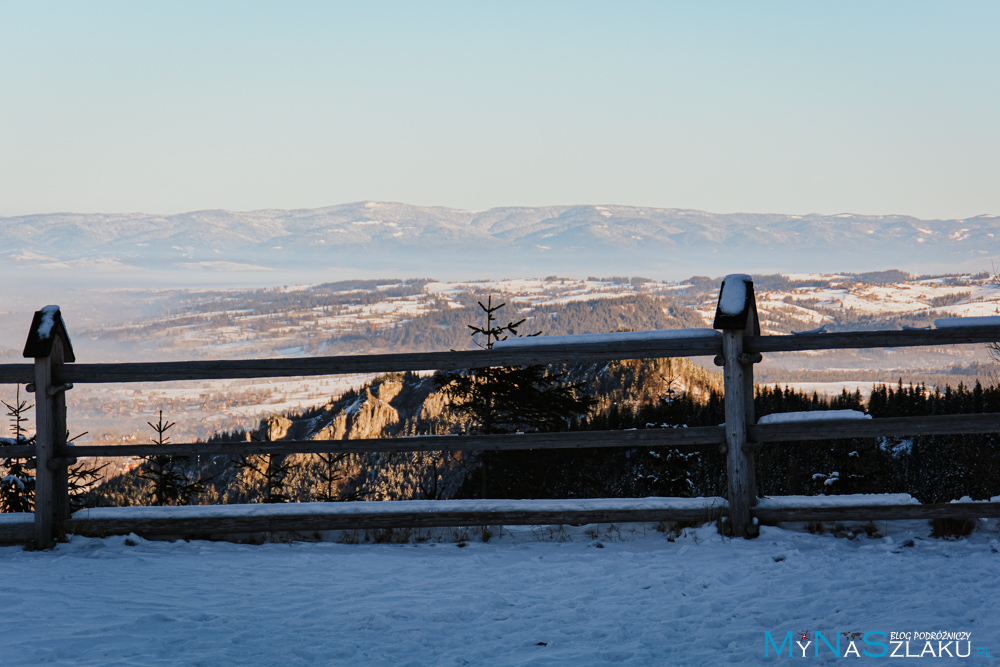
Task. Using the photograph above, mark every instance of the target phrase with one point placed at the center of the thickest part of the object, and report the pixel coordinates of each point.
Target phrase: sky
(785, 107)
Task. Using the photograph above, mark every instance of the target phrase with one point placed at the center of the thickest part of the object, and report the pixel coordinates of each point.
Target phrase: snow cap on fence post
(737, 307)
(46, 326)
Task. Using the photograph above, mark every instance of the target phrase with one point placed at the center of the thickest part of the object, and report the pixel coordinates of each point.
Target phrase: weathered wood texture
(736, 458)
(846, 340)
(572, 353)
(761, 434)
(879, 512)
(17, 373)
(60, 473)
(46, 424)
(386, 363)
(750, 418)
(694, 437)
(17, 533)
(17, 452)
(673, 437)
(339, 521)
(24, 533)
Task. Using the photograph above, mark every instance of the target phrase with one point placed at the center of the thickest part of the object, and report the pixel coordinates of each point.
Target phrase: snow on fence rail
(735, 341)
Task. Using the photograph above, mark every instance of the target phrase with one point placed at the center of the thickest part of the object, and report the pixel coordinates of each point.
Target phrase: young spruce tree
(17, 482)
(170, 482)
(271, 470)
(508, 399)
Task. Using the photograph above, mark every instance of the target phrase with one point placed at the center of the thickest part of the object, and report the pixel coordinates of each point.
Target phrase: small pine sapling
(271, 468)
(82, 479)
(171, 485)
(331, 471)
(493, 332)
(507, 399)
(17, 484)
(433, 465)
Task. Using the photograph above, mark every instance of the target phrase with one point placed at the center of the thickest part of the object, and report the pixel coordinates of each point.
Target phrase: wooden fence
(735, 342)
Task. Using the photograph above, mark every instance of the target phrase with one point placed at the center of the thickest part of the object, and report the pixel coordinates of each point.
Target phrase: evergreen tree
(17, 484)
(273, 469)
(171, 485)
(507, 399)
(331, 471)
(82, 479)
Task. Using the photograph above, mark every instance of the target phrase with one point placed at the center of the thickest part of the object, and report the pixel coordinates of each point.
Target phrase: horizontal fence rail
(674, 437)
(310, 522)
(512, 356)
(373, 363)
(987, 422)
(695, 437)
(772, 515)
(17, 373)
(854, 340)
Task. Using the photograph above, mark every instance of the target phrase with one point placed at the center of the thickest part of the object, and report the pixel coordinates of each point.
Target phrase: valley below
(417, 315)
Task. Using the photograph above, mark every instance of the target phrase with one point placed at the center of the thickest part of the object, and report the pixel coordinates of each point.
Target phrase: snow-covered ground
(575, 596)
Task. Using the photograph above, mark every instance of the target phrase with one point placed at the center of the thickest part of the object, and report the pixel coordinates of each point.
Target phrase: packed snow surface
(817, 330)
(618, 337)
(991, 321)
(812, 416)
(845, 500)
(733, 299)
(536, 596)
(8, 518)
(389, 507)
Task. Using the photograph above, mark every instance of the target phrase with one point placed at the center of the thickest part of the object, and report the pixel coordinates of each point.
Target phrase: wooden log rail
(737, 345)
(389, 514)
(685, 438)
(310, 522)
(573, 353)
(515, 356)
(696, 437)
(773, 515)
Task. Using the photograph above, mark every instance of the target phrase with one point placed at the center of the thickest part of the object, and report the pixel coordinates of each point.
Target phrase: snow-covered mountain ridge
(380, 235)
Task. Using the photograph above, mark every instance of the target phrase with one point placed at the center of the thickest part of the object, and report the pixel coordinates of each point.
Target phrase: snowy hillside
(591, 595)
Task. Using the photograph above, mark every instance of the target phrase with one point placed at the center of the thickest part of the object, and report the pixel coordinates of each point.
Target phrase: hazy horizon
(771, 107)
(500, 206)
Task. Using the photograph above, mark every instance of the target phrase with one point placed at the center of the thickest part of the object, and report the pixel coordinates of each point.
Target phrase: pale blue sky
(791, 107)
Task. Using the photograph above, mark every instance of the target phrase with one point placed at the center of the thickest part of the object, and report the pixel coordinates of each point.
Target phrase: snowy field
(579, 596)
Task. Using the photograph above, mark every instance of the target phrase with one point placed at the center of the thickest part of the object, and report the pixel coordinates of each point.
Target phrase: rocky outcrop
(381, 409)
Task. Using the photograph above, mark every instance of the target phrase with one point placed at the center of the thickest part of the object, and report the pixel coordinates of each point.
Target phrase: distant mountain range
(388, 239)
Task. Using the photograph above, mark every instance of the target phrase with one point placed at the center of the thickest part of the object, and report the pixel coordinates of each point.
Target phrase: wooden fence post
(48, 344)
(736, 316)
(749, 416)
